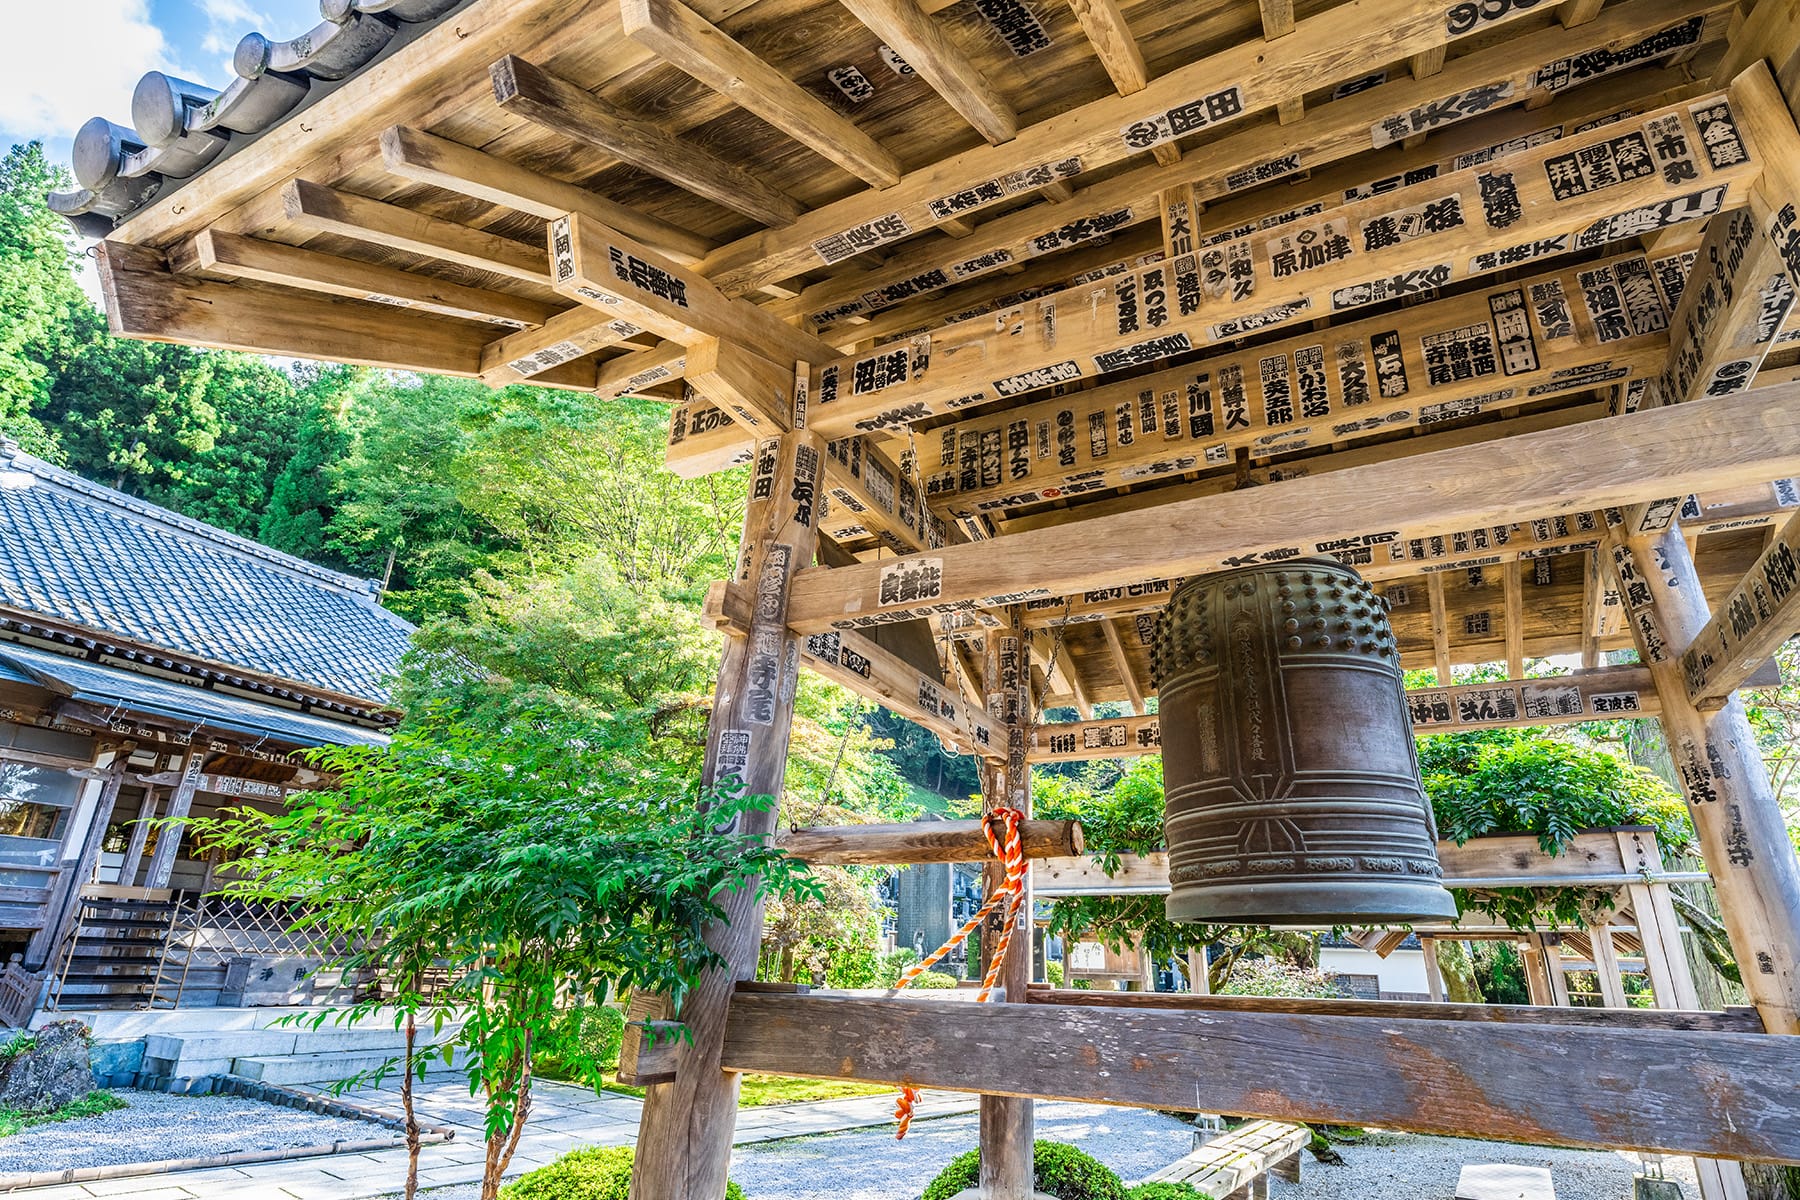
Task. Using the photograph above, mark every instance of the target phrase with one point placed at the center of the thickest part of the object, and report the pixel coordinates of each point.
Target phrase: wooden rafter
(689, 41)
(927, 49)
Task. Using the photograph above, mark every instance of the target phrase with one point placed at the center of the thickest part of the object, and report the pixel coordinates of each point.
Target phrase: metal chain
(1037, 717)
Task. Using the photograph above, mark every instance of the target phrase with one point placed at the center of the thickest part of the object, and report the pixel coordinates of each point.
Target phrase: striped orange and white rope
(1008, 848)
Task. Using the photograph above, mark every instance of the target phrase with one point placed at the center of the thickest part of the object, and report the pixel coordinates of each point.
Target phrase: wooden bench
(1236, 1166)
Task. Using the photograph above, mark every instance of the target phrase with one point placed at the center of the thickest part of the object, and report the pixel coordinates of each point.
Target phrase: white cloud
(226, 22)
(78, 58)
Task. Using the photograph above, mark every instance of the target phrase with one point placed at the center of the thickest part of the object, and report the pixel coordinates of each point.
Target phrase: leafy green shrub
(932, 980)
(1053, 974)
(889, 967)
(1056, 1168)
(586, 1031)
(1271, 977)
(596, 1173)
(1166, 1191)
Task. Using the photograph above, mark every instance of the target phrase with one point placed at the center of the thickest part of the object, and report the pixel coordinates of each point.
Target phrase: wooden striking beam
(547, 100)
(1738, 1019)
(612, 273)
(1758, 615)
(1605, 694)
(918, 39)
(690, 42)
(1361, 379)
(220, 253)
(426, 158)
(319, 209)
(1733, 440)
(1201, 96)
(1719, 1094)
(1455, 227)
(922, 842)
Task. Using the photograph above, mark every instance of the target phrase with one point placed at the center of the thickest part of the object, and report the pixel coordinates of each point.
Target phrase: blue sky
(75, 59)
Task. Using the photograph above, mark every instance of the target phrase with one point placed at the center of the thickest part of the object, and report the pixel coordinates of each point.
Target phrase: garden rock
(51, 1073)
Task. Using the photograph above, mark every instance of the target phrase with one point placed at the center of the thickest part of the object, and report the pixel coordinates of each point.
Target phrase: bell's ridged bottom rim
(1311, 905)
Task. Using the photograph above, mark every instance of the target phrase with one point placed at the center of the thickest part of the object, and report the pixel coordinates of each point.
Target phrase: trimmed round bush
(1057, 1169)
(1166, 1191)
(932, 979)
(597, 1173)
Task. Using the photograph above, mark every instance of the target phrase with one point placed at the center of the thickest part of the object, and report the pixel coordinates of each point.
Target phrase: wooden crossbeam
(1605, 694)
(1720, 1094)
(564, 338)
(1361, 379)
(1724, 442)
(1332, 47)
(1364, 252)
(556, 104)
(1115, 646)
(922, 842)
(228, 254)
(855, 662)
(685, 39)
(319, 209)
(1760, 613)
(1335, 132)
(616, 275)
(426, 158)
(928, 50)
(640, 369)
(1736, 301)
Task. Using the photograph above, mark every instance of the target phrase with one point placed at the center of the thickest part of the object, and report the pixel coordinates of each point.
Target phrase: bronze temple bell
(1291, 778)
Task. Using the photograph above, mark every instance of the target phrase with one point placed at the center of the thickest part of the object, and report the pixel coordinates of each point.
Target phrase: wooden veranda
(1022, 311)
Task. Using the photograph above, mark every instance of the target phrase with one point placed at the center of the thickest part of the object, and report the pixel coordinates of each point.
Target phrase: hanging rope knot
(1001, 825)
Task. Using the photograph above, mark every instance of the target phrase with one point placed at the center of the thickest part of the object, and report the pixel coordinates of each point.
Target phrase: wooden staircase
(128, 950)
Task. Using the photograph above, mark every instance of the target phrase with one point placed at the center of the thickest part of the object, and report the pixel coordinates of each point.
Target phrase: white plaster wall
(1401, 971)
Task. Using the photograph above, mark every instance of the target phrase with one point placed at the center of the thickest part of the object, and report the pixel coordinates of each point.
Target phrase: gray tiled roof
(74, 552)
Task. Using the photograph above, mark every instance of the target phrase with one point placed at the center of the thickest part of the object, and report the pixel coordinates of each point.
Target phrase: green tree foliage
(303, 500)
(43, 307)
(517, 849)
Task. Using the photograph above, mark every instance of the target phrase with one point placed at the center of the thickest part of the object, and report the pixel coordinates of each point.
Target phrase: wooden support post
(1742, 835)
(1513, 575)
(168, 838)
(1199, 973)
(1440, 630)
(1606, 965)
(1434, 977)
(1008, 1122)
(684, 1140)
(140, 835)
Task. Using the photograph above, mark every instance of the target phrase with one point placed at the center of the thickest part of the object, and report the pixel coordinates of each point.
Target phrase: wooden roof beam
(1758, 615)
(928, 50)
(1118, 51)
(1121, 660)
(1724, 442)
(216, 252)
(640, 369)
(528, 354)
(426, 158)
(552, 102)
(318, 209)
(685, 39)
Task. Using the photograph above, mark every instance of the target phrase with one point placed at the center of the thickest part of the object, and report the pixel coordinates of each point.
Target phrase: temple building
(152, 666)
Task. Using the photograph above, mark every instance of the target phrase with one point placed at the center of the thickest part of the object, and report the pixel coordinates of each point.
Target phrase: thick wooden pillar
(140, 836)
(1008, 1123)
(1740, 828)
(1606, 966)
(1199, 979)
(1434, 976)
(684, 1136)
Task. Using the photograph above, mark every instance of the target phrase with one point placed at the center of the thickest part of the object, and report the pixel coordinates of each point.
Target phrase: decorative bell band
(179, 128)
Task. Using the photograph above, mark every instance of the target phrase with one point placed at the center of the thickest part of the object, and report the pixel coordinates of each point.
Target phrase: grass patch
(760, 1091)
(93, 1104)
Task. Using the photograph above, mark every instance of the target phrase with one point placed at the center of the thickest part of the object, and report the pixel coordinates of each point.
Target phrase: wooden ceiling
(1047, 261)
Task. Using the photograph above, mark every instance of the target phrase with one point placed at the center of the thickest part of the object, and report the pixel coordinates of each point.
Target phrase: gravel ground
(869, 1165)
(158, 1126)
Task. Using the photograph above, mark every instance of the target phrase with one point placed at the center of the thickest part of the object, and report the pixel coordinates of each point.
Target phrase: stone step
(283, 1040)
(326, 1067)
